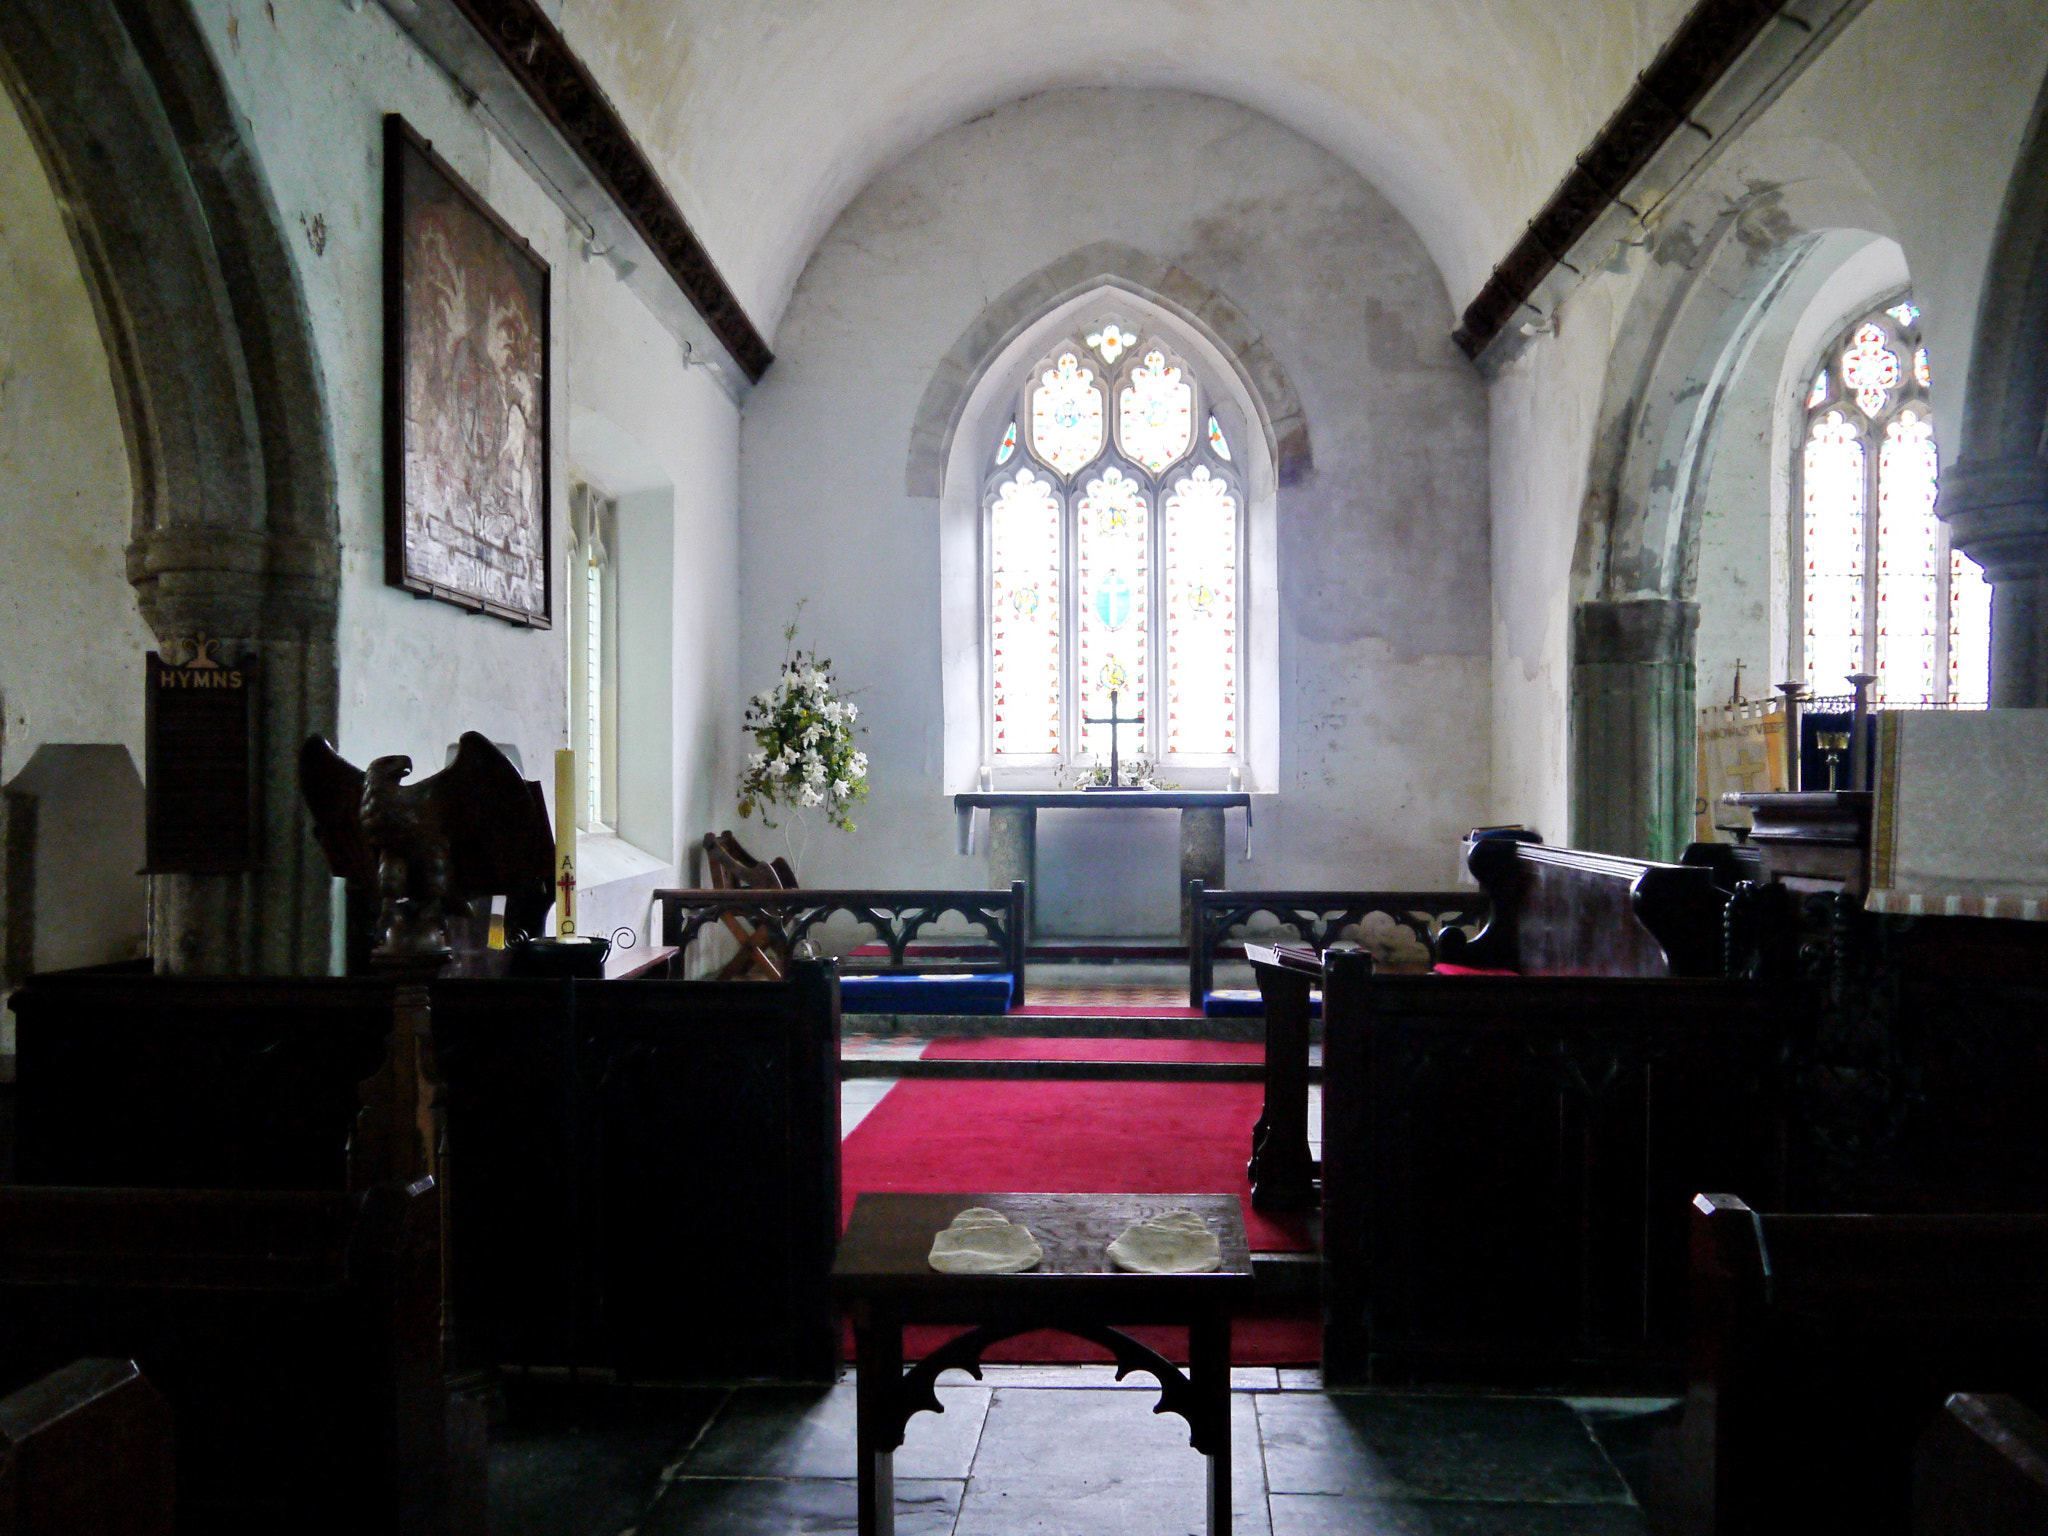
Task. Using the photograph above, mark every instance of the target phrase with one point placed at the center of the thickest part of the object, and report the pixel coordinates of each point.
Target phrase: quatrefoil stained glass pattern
(1870, 368)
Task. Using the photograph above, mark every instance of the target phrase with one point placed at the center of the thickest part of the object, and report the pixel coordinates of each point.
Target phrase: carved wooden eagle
(476, 828)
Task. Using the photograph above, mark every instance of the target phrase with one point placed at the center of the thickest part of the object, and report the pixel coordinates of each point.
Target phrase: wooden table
(1284, 1173)
(884, 1276)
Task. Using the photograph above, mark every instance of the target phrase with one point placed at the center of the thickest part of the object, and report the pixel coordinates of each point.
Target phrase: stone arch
(1106, 264)
(210, 350)
(1995, 497)
(1721, 285)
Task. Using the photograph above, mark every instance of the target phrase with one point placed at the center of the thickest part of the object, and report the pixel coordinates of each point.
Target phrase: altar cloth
(1959, 829)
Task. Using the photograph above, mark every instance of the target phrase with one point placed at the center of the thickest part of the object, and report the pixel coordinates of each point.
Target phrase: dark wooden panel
(207, 1083)
(646, 1174)
(1507, 1161)
(87, 1449)
(1825, 1345)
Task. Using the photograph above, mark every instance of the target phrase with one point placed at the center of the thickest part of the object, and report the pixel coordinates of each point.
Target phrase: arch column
(213, 371)
(1995, 497)
(1632, 726)
(1998, 515)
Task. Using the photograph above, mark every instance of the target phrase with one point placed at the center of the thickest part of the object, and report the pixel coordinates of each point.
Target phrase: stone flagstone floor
(1063, 1451)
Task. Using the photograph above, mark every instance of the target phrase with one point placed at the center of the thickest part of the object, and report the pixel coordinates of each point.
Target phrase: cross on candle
(1113, 720)
(565, 919)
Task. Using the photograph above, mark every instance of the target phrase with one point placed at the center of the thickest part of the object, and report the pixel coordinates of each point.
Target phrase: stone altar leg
(1013, 855)
(1201, 858)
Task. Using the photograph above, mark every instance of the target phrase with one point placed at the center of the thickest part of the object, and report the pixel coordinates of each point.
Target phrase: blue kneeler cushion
(1245, 1003)
(983, 993)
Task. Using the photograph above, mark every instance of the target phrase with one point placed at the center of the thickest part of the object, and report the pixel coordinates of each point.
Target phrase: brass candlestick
(1859, 741)
(1792, 692)
(1834, 743)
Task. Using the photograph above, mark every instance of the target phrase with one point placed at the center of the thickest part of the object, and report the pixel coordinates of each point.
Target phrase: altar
(1012, 838)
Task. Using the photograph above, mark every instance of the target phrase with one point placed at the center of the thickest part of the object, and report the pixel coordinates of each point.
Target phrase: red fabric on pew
(1083, 1048)
(1470, 970)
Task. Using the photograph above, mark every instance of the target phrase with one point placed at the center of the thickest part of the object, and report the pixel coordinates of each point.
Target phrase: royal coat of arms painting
(466, 394)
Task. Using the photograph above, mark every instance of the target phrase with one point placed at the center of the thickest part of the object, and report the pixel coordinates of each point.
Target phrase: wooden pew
(605, 1145)
(296, 1333)
(645, 1175)
(87, 1449)
(1283, 1170)
(1507, 1156)
(1824, 1346)
(1981, 1468)
(776, 921)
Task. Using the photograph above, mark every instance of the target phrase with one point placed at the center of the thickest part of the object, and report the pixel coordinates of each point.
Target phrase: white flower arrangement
(804, 757)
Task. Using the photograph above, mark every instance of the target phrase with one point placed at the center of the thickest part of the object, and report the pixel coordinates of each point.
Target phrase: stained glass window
(1870, 368)
(1833, 483)
(1881, 591)
(1066, 415)
(1155, 413)
(1112, 341)
(1024, 616)
(1114, 518)
(1909, 564)
(1201, 616)
(1145, 533)
(1969, 631)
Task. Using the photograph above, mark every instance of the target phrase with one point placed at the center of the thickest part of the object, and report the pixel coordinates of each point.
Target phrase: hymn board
(199, 740)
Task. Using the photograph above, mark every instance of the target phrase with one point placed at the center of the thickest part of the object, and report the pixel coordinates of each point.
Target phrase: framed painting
(466, 394)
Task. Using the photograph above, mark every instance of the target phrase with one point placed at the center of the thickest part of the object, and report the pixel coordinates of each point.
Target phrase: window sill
(604, 858)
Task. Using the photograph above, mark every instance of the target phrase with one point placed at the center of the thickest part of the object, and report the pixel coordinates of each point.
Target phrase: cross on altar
(1113, 720)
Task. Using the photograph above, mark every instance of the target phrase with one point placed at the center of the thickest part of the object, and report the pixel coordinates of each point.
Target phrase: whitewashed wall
(1383, 719)
(314, 79)
(1924, 159)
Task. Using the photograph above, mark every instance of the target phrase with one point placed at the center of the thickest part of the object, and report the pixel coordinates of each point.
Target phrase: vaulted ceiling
(768, 116)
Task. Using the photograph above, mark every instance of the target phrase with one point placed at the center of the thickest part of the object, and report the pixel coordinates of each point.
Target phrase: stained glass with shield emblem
(1113, 559)
(1201, 517)
(1024, 617)
(1155, 421)
(1066, 415)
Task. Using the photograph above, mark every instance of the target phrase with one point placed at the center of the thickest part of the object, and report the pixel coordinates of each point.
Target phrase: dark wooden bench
(1825, 1346)
(1223, 919)
(1981, 1468)
(1282, 1168)
(608, 1144)
(778, 921)
(645, 1175)
(1507, 1152)
(87, 1448)
(296, 1333)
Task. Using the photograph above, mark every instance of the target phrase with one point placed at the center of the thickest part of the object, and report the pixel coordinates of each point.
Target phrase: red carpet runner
(933, 1136)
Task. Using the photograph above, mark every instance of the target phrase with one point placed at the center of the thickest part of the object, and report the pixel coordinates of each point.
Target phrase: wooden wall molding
(536, 55)
(1707, 44)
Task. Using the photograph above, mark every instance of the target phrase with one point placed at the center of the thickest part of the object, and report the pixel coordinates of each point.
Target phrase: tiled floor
(1062, 1450)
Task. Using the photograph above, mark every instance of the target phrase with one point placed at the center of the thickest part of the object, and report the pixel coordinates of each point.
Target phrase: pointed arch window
(1881, 591)
(1113, 483)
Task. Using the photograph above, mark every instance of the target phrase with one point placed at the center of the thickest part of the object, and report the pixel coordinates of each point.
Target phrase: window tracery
(1142, 524)
(1882, 592)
